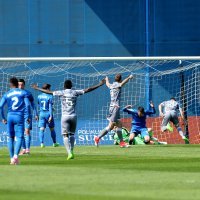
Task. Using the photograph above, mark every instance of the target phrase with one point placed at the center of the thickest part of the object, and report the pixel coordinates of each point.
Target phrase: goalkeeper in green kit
(137, 140)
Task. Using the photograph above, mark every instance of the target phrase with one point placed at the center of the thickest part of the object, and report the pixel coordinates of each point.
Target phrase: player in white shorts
(68, 98)
(169, 111)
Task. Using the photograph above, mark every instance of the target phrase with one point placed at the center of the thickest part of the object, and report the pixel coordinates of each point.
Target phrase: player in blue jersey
(45, 102)
(26, 141)
(139, 122)
(18, 103)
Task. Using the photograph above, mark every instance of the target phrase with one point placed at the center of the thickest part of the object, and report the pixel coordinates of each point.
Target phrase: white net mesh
(155, 80)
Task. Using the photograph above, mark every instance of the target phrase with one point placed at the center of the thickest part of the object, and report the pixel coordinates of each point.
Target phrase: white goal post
(150, 58)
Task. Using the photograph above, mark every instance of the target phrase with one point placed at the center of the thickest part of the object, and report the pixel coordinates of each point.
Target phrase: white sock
(15, 156)
(180, 132)
(67, 144)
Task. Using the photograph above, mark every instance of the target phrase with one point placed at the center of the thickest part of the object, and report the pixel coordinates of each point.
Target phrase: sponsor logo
(87, 136)
(14, 93)
(3, 137)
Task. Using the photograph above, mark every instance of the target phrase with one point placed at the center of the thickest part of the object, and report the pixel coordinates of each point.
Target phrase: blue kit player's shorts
(15, 125)
(142, 131)
(43, 120)
(28, 125)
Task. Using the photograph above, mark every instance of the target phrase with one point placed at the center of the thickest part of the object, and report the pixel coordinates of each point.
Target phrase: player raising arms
(139, 122)
(68, 98)
(26, 141)
(45, 102)
(169, 111)
(114, 111)
(17, 102)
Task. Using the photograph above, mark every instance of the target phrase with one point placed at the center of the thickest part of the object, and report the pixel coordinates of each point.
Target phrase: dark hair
(118, 77)
(67, 84)
(173, 98)
(46, 86)
(14, 81)
(141, 109)
(21, 80)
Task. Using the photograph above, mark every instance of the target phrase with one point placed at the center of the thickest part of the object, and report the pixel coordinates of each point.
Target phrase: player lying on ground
(169, 111)
(137, 140)
(139, 122)
(114, 111)
(68, 98)
(18, 103)
(45, 102)
(26, 140)
(125, 135)
(154, 140)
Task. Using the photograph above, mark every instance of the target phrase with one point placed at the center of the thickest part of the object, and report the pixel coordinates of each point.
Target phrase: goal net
(157, 79)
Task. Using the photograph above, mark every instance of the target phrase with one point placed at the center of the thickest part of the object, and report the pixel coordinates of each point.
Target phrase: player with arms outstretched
(139, 122)
(26, 140)
(68, 98)
(18, 103)
(169, 111)
(114, 111)
(45, 102)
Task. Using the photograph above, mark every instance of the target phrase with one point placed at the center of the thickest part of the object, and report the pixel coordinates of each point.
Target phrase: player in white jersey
(169, 111)
(114, 110)
(68, 98)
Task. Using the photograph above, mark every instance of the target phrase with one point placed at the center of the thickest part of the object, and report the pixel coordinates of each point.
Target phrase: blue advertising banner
(85, 134)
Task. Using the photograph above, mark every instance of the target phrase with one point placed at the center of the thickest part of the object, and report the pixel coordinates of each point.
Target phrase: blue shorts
(43, 120)
(15, 125)
(142, 131)
(28, 125)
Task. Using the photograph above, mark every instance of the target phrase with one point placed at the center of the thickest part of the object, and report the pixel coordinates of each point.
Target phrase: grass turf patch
(108, 172)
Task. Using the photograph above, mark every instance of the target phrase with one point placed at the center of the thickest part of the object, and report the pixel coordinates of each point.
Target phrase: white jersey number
(43, 105)
(69, 102)
(15, 102)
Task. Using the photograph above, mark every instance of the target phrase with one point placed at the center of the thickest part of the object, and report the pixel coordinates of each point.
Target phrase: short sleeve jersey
(44, 100)
(115, 94)
(15, 100)
(68, 100)
(170, 106)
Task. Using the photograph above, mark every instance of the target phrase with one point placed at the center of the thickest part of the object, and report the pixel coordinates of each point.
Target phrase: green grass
(139, 173)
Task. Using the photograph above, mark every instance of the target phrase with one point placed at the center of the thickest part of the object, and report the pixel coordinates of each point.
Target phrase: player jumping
(169, 111)
(114, 111)
(45, 102)
(139, 122)
(17, 102)
(68, 98)
(26, 141)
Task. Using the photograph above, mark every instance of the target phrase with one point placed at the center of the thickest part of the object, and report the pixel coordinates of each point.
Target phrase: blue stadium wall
(99, 27)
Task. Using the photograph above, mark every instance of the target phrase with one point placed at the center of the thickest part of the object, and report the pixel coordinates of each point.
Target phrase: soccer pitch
(107, 172)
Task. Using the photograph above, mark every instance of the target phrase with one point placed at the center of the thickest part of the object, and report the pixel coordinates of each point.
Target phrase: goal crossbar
(3, 59)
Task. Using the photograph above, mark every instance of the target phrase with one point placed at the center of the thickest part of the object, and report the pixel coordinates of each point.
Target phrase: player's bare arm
(126, 80)
(107, 82)
(4, 121)
(2, 104)
(90, 89)
(35, 87)
(151, 104)
(160, 110)
(182, 116)
(128, 106)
